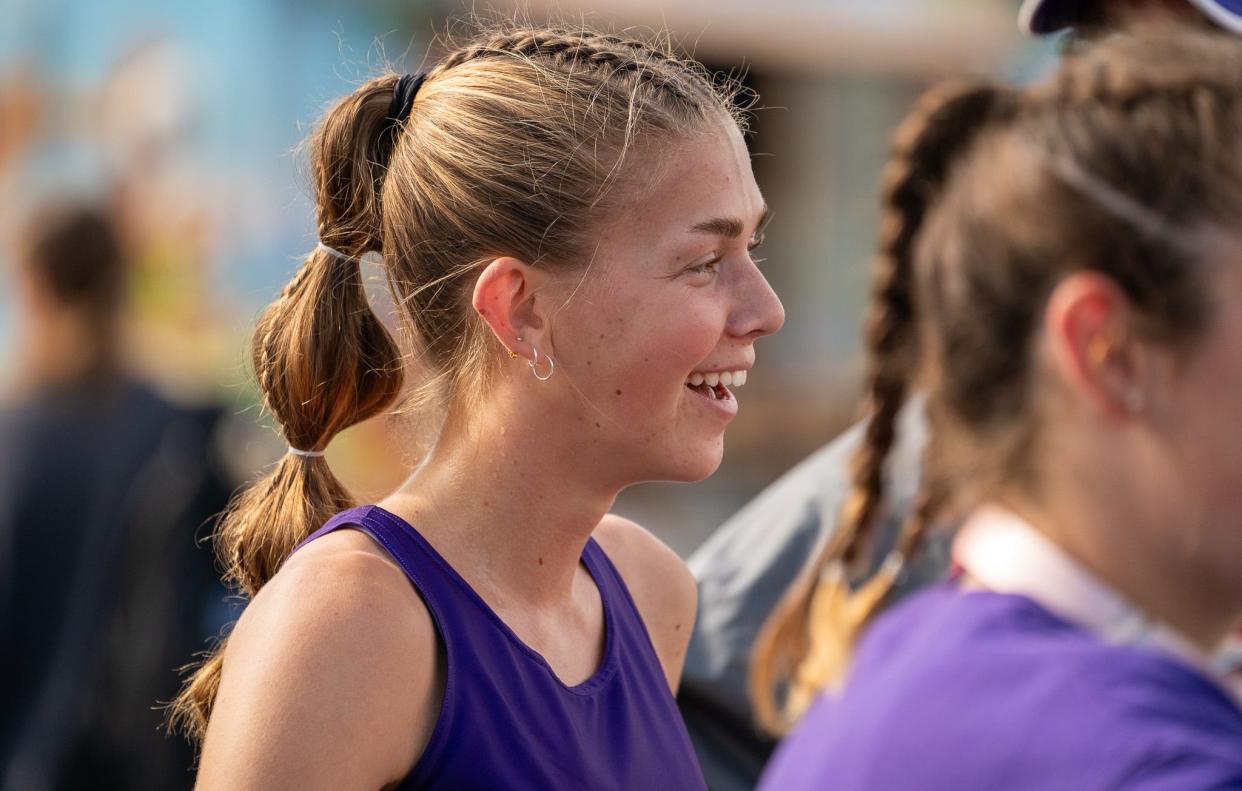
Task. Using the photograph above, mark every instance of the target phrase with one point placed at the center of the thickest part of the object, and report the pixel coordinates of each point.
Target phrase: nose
(757, 310)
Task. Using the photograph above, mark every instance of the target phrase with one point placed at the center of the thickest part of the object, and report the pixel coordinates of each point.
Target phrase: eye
(707, 267)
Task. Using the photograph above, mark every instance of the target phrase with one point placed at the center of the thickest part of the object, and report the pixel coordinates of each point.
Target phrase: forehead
(677, 184)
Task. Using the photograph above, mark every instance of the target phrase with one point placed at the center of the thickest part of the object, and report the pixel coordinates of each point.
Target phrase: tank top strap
(630, 628)
(505, 717)
(348, 518)
(435, 580)
(443, 589)
(606, 575)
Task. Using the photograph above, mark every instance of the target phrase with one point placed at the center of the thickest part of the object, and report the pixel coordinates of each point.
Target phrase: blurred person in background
(566, 219)
(104, 485)
(750, 562)
(1060, 274)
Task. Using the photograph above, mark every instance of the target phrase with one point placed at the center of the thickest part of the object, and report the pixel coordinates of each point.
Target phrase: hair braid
(808, 638)
(563, 46)
(943, 125)
(1149, 121)
(489, 161)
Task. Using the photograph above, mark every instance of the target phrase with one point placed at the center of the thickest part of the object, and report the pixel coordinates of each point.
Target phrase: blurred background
(169, 131)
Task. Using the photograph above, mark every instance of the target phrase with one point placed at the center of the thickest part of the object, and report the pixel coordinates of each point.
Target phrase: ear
(505, 298)
(1089, 325)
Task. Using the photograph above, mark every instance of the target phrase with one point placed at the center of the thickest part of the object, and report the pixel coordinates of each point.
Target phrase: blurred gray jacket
(745, 568)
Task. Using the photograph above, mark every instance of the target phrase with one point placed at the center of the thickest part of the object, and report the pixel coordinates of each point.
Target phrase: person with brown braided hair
(747, 565)
(566, 220)
(1060, 273)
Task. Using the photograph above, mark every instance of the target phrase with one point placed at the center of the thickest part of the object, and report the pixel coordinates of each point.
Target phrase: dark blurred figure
(104, 486)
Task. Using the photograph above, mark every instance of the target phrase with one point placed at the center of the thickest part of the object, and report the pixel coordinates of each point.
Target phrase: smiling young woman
(566, 220)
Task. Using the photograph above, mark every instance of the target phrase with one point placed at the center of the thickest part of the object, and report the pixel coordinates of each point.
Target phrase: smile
(715, 384)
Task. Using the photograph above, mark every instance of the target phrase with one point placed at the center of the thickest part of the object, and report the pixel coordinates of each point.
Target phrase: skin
(1139, 464)
(333, 676)
(59, 341)
(1144, 473)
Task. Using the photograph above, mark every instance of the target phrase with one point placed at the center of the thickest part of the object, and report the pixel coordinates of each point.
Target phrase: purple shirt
(507, 721)
(980, 690)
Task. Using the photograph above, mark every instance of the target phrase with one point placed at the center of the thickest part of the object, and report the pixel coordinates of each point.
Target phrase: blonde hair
(991, 196)
(514, 144)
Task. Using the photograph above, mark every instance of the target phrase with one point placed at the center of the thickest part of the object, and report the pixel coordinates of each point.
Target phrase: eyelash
(754, 245)
(709, 266)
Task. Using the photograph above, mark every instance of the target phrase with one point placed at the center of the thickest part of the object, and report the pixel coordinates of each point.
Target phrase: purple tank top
(975, 691)
(506, 720)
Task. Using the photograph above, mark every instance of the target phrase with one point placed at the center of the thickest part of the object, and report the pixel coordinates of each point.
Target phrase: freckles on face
(642, 321)
(642, 336)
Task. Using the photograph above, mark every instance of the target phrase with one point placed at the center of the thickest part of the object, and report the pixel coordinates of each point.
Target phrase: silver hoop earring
(534, 366)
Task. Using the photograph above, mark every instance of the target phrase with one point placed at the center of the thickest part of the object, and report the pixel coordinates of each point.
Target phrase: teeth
(726, 378)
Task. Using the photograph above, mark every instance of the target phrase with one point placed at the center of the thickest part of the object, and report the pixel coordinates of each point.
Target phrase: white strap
(1006, 554)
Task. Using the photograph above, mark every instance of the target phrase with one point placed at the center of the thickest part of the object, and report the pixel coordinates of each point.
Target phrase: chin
(695, 466)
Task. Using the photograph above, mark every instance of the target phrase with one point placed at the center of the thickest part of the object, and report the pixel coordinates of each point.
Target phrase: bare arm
(331, 678)
(661, 585)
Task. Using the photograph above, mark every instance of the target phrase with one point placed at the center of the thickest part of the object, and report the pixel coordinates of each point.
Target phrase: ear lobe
(1087, 323)
(504, 297)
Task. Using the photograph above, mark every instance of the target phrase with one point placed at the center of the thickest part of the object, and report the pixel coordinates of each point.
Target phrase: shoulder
(330, 678)
(1193, 727)
(660, 584)
(651, 570)
(947, 669)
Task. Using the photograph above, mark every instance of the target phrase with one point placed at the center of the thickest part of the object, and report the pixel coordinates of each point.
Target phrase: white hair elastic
(332, 251)
(304, 453)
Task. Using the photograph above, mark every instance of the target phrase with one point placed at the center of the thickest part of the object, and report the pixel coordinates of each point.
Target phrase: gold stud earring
(1098, 349)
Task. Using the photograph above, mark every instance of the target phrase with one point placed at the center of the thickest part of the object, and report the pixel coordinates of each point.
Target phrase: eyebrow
(729, 226)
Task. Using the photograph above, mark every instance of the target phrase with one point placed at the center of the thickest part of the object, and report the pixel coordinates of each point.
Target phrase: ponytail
(510, 147)
(324, 362)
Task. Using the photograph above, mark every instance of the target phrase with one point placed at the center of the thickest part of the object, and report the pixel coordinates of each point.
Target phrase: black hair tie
(403, 98)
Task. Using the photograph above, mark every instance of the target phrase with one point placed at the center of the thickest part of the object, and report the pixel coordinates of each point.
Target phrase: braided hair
(980, 222)
(516, 143)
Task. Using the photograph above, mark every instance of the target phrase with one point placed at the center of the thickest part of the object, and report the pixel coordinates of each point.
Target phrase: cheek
(661, 347)
(629, 343)
(634, 371)
(1208, 399)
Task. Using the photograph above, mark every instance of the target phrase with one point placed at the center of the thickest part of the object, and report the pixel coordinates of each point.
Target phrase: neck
(516, 499)
(1104, 535)
(65, 349)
